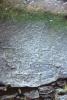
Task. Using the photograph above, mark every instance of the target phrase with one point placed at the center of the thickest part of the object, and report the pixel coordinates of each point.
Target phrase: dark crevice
(45, 92)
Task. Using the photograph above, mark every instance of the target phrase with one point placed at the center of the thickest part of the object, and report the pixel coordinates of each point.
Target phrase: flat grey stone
(32, 54)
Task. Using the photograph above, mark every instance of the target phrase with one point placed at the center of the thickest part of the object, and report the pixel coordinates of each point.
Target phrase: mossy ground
(53, 20)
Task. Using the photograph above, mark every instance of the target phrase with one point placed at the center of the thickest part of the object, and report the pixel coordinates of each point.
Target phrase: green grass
(52, 20)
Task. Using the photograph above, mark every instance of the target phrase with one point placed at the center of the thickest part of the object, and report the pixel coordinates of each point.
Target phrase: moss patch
(52, 20)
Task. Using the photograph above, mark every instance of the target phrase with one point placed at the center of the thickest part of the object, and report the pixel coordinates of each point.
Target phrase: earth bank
(54, 6)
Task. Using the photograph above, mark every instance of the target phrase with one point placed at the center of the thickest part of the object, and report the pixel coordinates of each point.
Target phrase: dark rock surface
(54, 91)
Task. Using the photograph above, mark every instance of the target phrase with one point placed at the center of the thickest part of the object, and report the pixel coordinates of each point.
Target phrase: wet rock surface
(32, 54)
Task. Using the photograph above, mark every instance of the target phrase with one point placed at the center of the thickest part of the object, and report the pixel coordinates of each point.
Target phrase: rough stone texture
(32, 94)
(31, 54)
(62, 97)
